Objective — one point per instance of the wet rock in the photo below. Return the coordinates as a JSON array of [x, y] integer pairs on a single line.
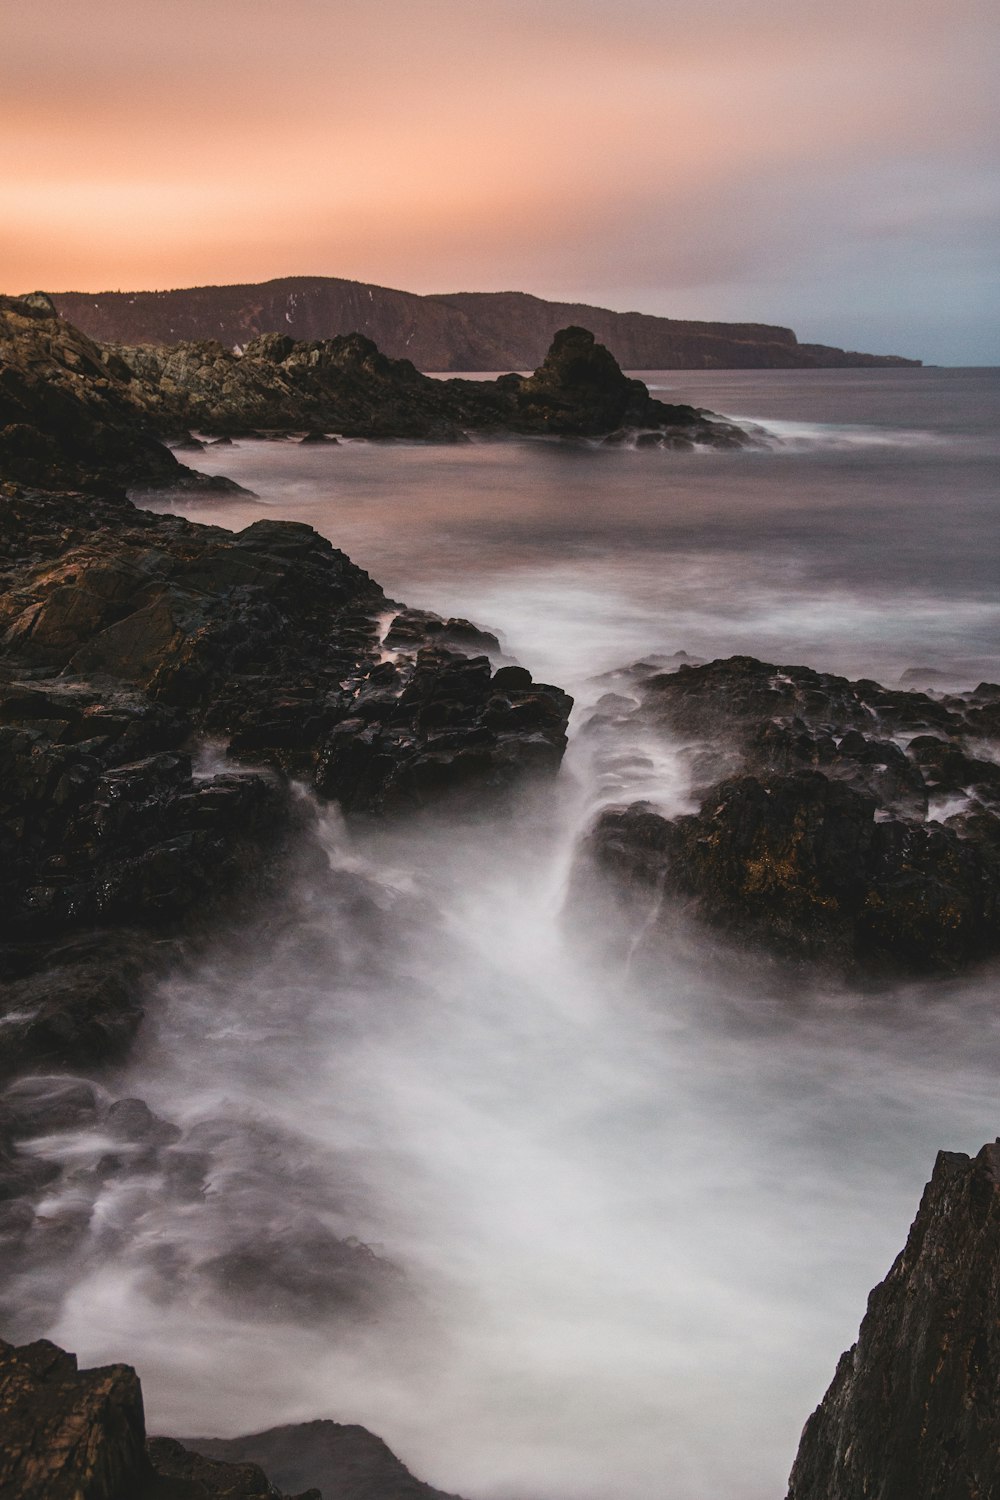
[[50, 1103], [912, 1412], [133, 1121], [413, 628], [816, 834], [448, 727]]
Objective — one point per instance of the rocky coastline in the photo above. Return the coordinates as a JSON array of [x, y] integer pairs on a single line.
[[164, 688], [83, 416]]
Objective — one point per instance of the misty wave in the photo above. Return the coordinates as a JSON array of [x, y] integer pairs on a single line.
[[800, 437], [594, 1176]]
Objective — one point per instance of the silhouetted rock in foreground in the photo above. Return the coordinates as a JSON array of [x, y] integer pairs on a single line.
[[913, 1412], [69, 1434], [839, 821], [346, 1462]]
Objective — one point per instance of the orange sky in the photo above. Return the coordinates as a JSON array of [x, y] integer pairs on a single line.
[[808, 163]]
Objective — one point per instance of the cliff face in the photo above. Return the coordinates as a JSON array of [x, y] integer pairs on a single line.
[[912, 1413], [458, 331]]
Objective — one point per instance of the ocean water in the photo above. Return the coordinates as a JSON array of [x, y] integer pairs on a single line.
[[635, 1186]]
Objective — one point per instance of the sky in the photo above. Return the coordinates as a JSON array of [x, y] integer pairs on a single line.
[[826, 164]]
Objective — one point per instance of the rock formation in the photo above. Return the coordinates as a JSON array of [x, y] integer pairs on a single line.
[[840, 822], [345, 385], [458, 331], [67, 414], [912, 1413]]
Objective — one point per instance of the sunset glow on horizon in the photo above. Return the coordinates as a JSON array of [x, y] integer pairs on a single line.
[[810, 164]]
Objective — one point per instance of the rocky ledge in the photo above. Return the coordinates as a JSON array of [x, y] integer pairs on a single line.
[[912, 1413], [71, 1433], [840, 822]]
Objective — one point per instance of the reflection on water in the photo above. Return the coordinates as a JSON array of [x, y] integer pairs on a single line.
[[636, 1206]]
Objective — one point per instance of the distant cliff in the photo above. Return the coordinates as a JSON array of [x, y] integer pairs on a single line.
[[460, 331]]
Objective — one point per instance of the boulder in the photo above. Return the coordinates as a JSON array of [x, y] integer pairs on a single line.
[[839, 822]]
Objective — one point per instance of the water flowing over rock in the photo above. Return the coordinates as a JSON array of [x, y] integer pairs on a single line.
[[912, 1412], [160, 682], [840, 822]]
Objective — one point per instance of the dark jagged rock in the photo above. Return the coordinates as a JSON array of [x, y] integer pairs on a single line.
[[818, 832], [68, 418], [345, 384], [71, 1434], [457, 331], [346, 1462], [438, 727], [912, 1413], [420, 627], [580, 391], [67, 1433]]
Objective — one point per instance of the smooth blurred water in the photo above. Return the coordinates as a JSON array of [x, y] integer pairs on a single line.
[[638, 1193]]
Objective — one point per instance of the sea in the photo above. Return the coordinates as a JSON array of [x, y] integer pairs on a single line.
[[634, 1187]]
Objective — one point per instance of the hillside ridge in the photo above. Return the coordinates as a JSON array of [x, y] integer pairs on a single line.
[[441, 332]]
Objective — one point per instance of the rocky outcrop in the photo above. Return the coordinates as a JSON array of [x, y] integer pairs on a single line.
[[67, 414], [70, 1434], [346, 1462], [912, 1413], [458, 331], [840, 822], [160, 682], [580, 391], [347, 386]]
